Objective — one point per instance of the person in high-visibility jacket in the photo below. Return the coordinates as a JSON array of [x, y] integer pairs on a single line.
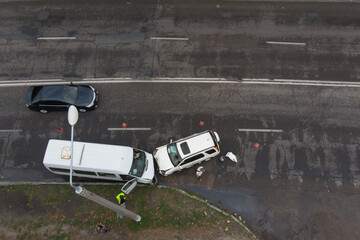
[[121, 197]]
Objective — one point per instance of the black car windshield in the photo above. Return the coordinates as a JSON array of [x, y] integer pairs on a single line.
[[139, 163], [173, 154], [63, 93]]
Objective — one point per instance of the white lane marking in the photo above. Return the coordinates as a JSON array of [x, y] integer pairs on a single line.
[[21, 83], [169, 38], [153, 81], [105, 79], [10, 130], [192, 79], [258, 130], [286, 43], [296, 1], [129, 129], [56, 38], [299, 82], [33, 80], [310, 81]]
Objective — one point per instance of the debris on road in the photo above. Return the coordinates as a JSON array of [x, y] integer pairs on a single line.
[[231, 156]]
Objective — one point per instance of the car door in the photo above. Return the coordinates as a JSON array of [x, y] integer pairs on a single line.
[[189, 162], [53, 105]]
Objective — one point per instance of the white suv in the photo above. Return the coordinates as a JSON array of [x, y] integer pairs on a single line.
[[187, 152]]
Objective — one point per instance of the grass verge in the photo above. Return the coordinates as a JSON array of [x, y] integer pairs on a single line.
[[55, 211]]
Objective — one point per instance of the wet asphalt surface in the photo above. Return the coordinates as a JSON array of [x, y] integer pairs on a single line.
[[301, 183], [225, 39]]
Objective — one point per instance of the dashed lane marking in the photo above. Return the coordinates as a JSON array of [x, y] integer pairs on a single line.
[[258, 130], [10, 130], [169, 38], [286, 43], [129, 129], [56, 38]]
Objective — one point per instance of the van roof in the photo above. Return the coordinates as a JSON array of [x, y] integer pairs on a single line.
[[93, 156], [195, 143]]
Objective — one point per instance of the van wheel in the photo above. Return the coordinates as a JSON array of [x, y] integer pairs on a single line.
[[43, 111], [82, 110]]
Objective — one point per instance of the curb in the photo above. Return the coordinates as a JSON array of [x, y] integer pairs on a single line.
[[213, 207]]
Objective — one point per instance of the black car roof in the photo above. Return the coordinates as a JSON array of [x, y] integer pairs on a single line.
[[63, 93]]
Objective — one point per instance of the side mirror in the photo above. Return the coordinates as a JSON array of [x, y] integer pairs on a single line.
[[129, 186], [170, 140]]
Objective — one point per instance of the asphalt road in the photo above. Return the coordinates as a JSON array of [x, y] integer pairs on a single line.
[[311, 168], [303, 180], [231, 39]]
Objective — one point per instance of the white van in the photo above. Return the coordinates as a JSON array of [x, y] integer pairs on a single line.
[[187, 152], [101, 161]]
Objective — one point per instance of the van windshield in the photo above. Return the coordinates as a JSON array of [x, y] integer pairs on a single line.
[[173, 154], [139, 163]]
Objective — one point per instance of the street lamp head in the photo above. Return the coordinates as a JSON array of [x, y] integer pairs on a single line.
[[73, 115]]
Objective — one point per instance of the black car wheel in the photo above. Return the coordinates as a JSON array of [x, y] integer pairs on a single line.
[[43, 111]]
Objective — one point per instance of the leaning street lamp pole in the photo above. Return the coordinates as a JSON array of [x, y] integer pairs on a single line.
[[73, 116]]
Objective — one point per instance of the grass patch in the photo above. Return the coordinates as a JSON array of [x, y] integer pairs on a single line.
[[60, 206]]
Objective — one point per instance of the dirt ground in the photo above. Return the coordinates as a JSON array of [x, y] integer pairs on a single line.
[[28, 216]]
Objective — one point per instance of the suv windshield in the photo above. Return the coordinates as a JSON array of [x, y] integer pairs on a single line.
[[173, 154], [139, 163]]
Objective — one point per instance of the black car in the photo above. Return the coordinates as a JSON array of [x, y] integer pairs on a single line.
[[60, 97]]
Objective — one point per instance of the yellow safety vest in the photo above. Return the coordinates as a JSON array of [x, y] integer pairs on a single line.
[[119, 197]]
